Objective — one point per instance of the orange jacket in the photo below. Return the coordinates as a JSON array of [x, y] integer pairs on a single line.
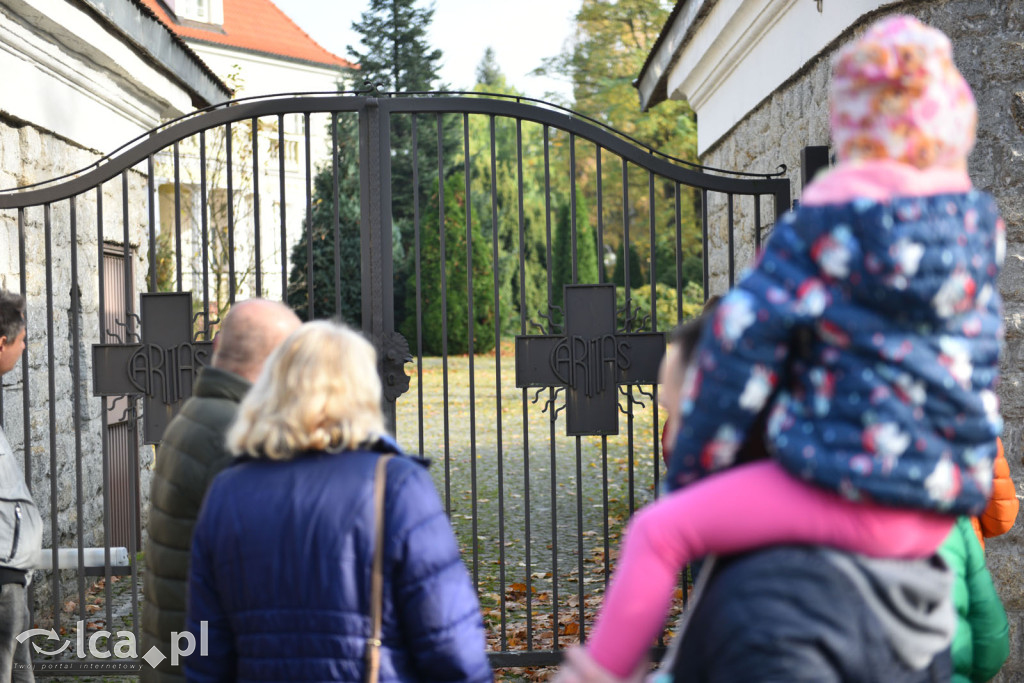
[[1001, 512]]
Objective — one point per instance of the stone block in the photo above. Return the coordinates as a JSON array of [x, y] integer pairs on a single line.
[[1006, 570], [1011, 671]]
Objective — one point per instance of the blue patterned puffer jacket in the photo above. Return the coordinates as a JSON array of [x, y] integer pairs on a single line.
[[895, 400], [281, 565]]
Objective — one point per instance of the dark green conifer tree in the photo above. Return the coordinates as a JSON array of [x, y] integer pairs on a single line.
[[636, 277], [586, 249], [454, 309], [331, 265], [396, 56]]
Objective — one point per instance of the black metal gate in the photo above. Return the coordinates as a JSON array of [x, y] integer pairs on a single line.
[[475, 221]]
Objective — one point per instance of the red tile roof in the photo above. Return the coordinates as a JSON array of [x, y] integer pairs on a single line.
[[253, 25]]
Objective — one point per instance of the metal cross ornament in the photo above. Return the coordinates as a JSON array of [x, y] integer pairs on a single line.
[[162, 369], [591, 360]]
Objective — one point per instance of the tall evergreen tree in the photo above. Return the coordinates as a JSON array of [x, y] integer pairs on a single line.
[[636, 276], [454, 309], [489, 77], [585, 254], [395, 53], [329, 262], [495, 190]]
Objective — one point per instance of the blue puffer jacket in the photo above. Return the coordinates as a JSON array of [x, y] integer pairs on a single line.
[[895, 401], [281, 564]]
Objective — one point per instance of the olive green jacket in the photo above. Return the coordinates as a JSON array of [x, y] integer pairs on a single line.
[[189, 457]]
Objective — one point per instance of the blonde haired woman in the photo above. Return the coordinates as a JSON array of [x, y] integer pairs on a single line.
[[283, 550]]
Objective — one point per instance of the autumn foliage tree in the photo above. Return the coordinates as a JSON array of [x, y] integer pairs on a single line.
[[611, 43]]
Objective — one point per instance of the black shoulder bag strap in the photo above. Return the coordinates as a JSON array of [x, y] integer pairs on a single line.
[[377, 577]]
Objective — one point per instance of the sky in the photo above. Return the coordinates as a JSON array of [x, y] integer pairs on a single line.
[[522, 33]]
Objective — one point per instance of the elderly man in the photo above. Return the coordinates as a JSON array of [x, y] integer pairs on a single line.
[[190, 455], [21, 528]]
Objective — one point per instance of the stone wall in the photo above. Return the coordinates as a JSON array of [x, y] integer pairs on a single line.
[[30, 155], [989, 51]]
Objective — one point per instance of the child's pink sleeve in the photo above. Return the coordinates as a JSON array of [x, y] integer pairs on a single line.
[[736, 510]]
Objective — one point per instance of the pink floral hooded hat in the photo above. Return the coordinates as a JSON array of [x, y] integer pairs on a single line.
[[896, 94]]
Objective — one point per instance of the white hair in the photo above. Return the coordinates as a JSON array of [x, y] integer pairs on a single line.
[[318, 391]]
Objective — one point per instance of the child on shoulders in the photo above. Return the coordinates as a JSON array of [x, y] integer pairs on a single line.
[[887, 430]]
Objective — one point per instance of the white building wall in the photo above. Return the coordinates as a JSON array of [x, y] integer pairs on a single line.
[[259, 75], [72, 89], [68, 74], [746, 49]]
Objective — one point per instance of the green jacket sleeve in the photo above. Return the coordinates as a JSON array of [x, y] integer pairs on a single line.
[[989, 627]]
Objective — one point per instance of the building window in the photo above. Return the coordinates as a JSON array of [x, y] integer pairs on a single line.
[[205, 11], [196, 10]]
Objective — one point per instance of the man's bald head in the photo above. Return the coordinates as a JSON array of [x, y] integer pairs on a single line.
[[250, 331]]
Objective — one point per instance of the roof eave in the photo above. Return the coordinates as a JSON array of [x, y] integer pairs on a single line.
[[263, 53], [142, 29], [652, 83]]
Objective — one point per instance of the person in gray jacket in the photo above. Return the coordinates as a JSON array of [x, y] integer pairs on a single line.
[[21, 527], [191, 454]]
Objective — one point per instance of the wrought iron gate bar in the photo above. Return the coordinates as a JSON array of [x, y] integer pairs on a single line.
[[78, 385], [497, 381], [626, 277], [151, 206], [601, 275], [51, 386], [655, 441], [22, 281], [732, 244], [104, 432], [229, 204], [679, 251], [757, 222], [417, 231], [444, 314], [705, 238], [283, 204], [177, 216], [552, 447], [335, 216], [574, 252], [257, 239], [527, 536], [653, 271], [204, 233], [129, 461], [547, 214], [471, 350], [310, 283]]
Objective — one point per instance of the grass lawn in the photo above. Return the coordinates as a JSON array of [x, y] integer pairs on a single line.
[[539, 553]]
